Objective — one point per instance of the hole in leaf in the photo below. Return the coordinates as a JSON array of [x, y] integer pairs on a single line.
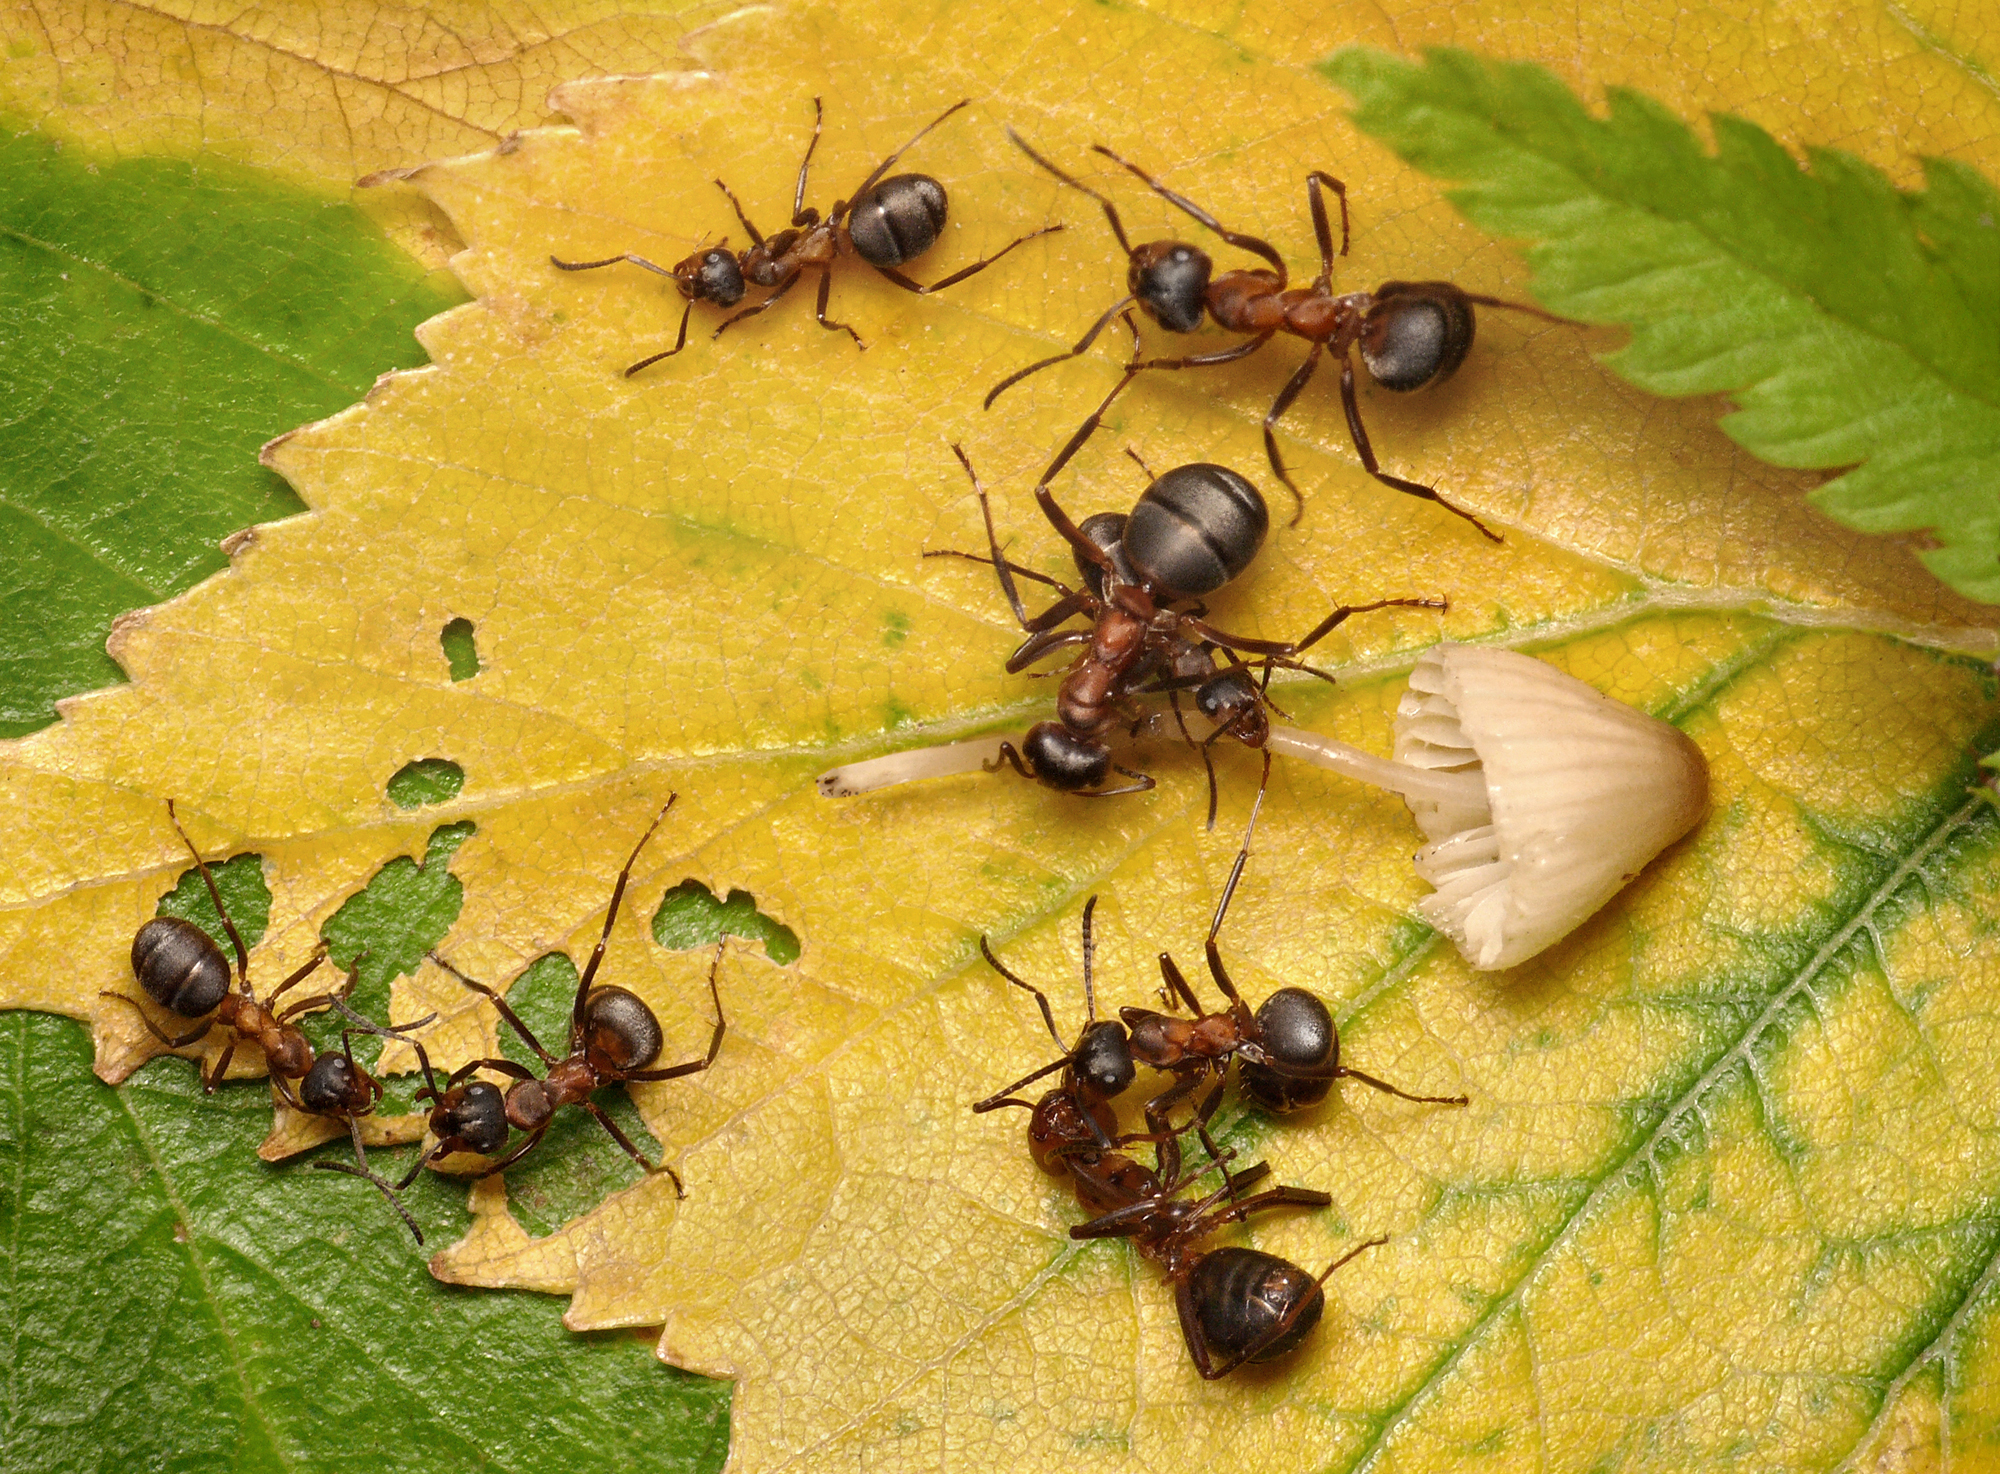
[[690, 916], [403, 912], [428, 780], [240, 878], [578, 1164], [461, 652]]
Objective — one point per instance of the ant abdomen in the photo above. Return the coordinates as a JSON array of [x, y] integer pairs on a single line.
[[1194, 530], [1298, 1033], [1252, 1306], [179, 966], [1417, 333], [897, 220], [620, 1030]]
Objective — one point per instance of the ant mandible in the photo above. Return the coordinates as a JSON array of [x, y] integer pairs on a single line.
[[1193, 530], [888, 222], [1290, 1047], [613, 1037], [1409, 334], [184, 972]]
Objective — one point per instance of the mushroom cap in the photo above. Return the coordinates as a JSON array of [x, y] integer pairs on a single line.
[[1581, 792]]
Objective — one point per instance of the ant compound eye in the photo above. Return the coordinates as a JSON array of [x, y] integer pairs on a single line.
[[1063, 760], [1103, 1060], [1417, 333], [1170, 279], [1195, 529]]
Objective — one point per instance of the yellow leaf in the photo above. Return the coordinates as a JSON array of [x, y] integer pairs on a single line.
[[1723, 1194]]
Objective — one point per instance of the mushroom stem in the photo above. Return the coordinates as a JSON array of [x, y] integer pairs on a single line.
[[979, 755], [1458, 790]]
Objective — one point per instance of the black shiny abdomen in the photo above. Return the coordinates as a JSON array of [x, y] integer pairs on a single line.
[[1417, 333], [1298, 1031], [479, 1118], [1063, 760], [897, 220], [1242, 1297], [179, 966], [620, 1030], [1194, 530]]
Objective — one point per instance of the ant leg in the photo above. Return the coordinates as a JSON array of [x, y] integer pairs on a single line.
[[213, 1077], [514, 1156], [729, 322], [1005, 569], [1007, 755], [311, 965], [825, 294], [506, 1013], [1208, 360], [1235, 875], [1040, 646], [889, 163], [680, 342], [608, 261], [1237, 239], [362, 1171], [1082, 347], [1284, 648], [1320, 230], [1084, 431], [1159, 1110], [610, 917], [756, 235], [1142, 783], [1110, 210], [958, 276], [505, 1067], [1387, 1089], [1358, 433], [695, 1066], [630, 1150], [1014, 568], [799, 192], [997, 1098], [242, 952], [1293, 387], [1175, 979], [424, 1159], [172, 1043]]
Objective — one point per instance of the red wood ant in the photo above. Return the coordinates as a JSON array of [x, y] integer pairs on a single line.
[[1235, 1305], [1290, 1048], [613, 1037], [1409, 334], [1193, 530], [889, 221], [184, 972]]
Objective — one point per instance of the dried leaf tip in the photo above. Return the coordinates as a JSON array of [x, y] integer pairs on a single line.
[[1580, 792]]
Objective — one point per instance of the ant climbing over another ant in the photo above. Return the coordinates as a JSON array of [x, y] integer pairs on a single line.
[[1409, 334], [613, 1037], [1193, 530], [1290, 1047], [888, 222]]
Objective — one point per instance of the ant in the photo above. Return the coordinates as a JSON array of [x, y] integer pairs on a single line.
[[888, 222], [613, 1037], [184, 972], [1245, 1304], [338, 1087], [1290, 1048], [1193, 530], [1410, 334]]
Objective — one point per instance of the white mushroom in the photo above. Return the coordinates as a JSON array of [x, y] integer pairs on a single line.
[[1553, 795]]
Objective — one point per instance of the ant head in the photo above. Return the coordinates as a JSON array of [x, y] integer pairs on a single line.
[[1170, 279], [1107, 530], [1417, 333], [1298, 1035], [620, 1033], [1252, 1306], [713, 275], [1061, 1124], [335, 1086], [1063, 760], [1195, 529], [1229, 697], [1102, 1061], [473, 1117]]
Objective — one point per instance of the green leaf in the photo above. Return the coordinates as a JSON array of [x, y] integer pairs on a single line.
[[1854, 325], [162, 320], [182, 1305]]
